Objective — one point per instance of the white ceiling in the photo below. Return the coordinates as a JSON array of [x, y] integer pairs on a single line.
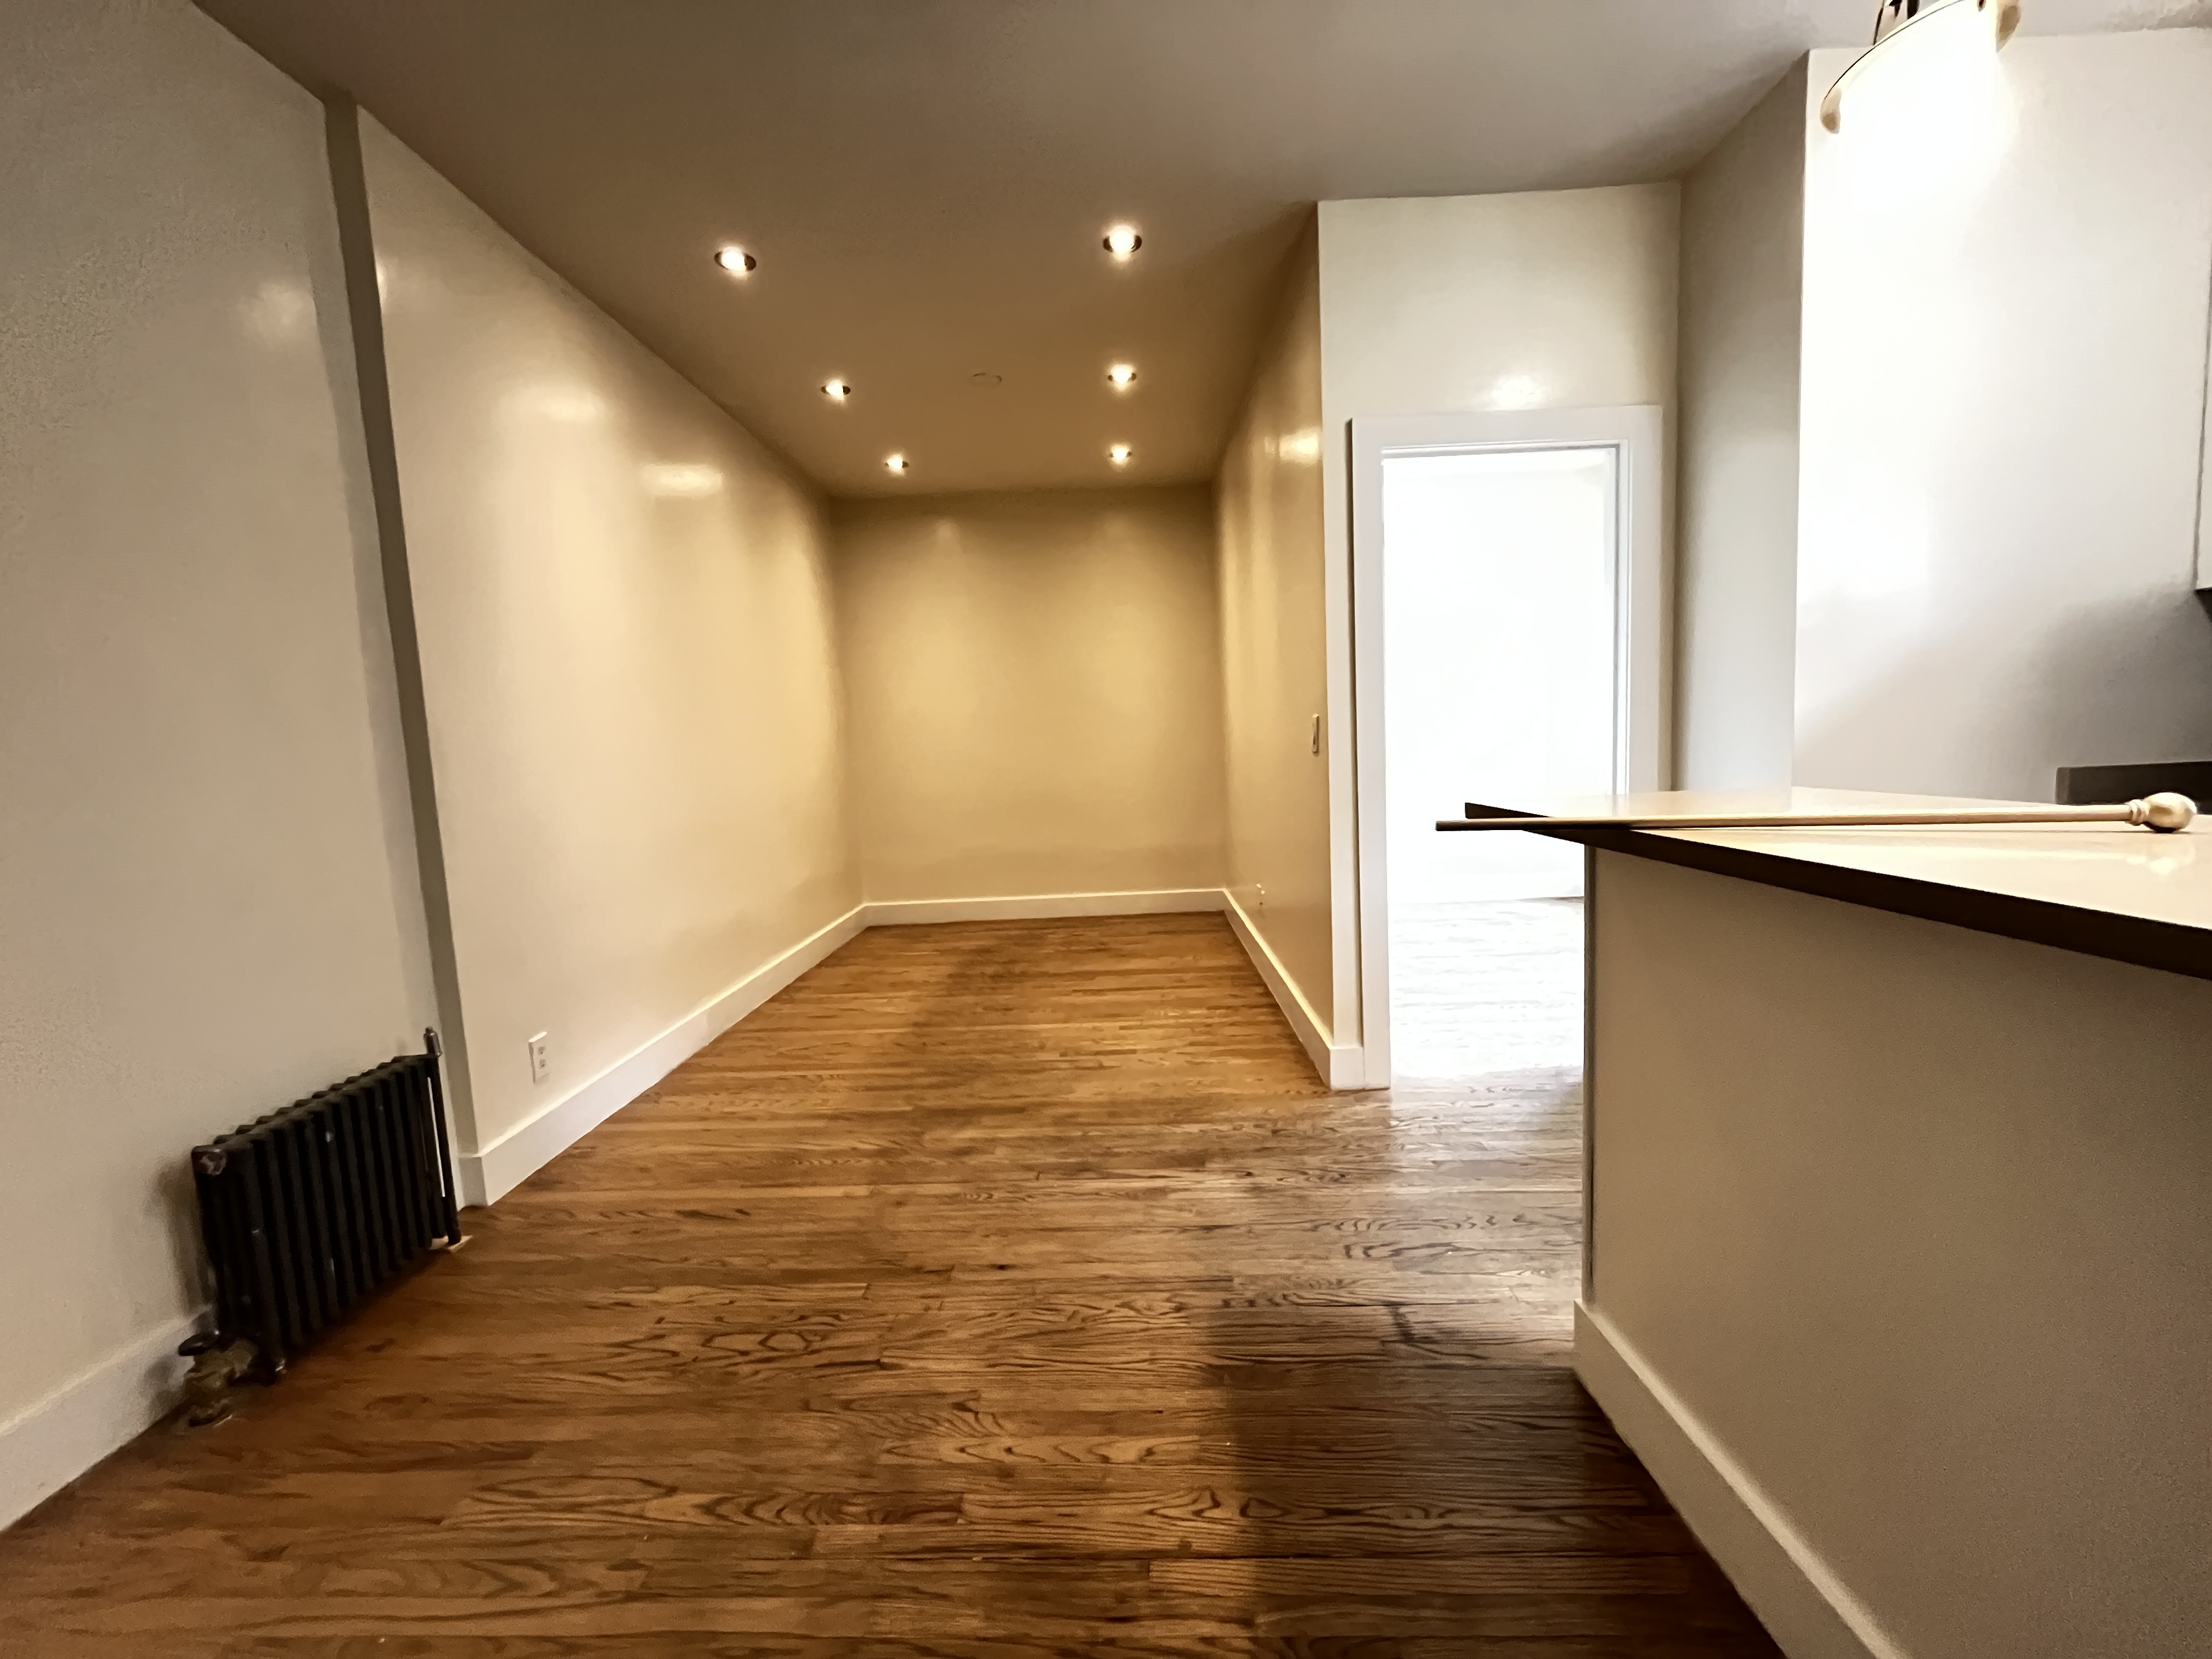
[[925, 182]]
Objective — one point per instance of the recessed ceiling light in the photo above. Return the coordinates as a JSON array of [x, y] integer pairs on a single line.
[[1122, 240], [735, 260], [1119, 454], [1123, 375], [836, 391], [895, 462]]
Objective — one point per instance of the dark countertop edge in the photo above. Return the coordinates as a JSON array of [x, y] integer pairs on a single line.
[[2168, 946]]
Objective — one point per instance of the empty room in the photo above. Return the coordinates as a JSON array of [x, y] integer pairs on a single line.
[[986, 828]]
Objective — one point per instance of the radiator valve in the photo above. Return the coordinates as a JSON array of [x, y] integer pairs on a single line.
[[218, 1367]]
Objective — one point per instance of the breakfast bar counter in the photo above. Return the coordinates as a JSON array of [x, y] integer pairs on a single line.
[[1899, 1247]]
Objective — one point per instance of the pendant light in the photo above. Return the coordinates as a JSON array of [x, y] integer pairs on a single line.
[[1908, 29]]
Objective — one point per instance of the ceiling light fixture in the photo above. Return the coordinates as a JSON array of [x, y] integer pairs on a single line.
[[1121, 376], [1122, 240], [836, 391], [1121, 454], [735, 260], [895, 462], [1905, 30]]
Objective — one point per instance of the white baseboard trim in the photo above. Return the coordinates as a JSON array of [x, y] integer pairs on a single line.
[[107, 1405], [1341, 1065], [488, 1175], [1041, 907], [1797, 1596]]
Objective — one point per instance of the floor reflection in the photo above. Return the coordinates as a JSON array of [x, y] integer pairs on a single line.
[[1487, 987]]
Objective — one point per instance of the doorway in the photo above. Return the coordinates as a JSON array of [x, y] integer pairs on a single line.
[[1505, 592]]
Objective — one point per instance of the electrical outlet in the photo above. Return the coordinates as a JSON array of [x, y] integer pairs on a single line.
[[541, 1057], [1260, 896]]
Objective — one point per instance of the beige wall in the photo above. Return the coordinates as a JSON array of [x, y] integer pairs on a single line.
[[1743, 281], [1446, 305], [207, 899], [1273, 647], [1034, 691], [629, 657]]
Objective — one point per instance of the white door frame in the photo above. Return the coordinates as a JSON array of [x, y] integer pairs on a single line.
[[2204, 479], [1635, 434]]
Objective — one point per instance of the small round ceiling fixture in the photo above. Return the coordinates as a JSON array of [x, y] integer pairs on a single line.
[[735, 260], [1121, 376], [895, 462], [836, 391], [1121, 454], [1122, 241]]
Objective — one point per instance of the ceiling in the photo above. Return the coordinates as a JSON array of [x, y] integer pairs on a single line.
[[925, 182]]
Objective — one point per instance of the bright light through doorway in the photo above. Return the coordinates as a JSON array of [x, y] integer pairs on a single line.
[[1500, 682]]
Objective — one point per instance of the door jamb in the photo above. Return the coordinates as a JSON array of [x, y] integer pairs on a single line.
[[1637, 432]]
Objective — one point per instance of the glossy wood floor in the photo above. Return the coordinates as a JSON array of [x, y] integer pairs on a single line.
[[996, 1290]]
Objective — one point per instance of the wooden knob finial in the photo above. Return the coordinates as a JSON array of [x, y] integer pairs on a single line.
[[2165, 810]]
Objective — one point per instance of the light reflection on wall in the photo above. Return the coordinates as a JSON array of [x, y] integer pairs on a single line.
[[552, 401], [681, 480], [279, 313], [1515, 392], [1894, 327]]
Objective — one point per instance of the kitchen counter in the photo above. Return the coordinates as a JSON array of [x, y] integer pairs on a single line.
[[2111, 890], [1899, 1218]]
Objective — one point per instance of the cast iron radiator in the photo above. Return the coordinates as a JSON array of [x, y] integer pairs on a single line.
[[310, 1210]]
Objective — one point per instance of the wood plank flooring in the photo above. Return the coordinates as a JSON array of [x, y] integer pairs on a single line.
[[998, 1289]]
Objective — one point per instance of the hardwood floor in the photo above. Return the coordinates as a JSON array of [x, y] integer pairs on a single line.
[[998, 1289]]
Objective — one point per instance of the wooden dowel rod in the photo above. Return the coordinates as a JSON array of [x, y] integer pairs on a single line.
[[2162, 813]]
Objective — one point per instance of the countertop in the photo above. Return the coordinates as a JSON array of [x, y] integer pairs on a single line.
[[2109, 890]]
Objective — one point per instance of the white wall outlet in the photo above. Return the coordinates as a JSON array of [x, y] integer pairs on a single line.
[[1260, 896], [541, 1057]]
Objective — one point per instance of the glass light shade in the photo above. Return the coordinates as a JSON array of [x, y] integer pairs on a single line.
[[1920, 47]]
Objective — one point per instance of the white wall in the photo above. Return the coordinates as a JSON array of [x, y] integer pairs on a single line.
[[1549, 300], [2003, 348], [1274, 654], [207, 904], [1743, 218], [1555, 299], [1034, 684], [628, 662]]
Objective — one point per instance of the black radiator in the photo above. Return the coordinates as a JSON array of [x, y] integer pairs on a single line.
[[310, 1210]]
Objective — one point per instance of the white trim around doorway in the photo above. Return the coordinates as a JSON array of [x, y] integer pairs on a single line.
[[1637, 434]]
